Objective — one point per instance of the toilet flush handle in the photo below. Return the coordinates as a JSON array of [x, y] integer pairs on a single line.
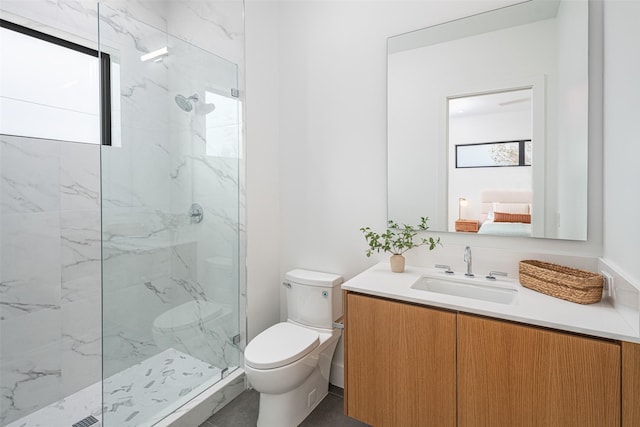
[[339, 323], [288, 285]]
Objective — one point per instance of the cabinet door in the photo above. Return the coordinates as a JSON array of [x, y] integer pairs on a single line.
[[400, 363], [630, 384], [513, 375]]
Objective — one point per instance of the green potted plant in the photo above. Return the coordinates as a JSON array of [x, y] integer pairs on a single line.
[[397, 240]]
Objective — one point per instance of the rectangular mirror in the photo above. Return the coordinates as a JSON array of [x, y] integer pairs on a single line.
[[488, 115]]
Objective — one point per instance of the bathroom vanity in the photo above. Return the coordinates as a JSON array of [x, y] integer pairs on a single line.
[[420, 355]]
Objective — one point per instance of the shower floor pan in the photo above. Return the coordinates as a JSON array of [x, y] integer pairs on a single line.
[[140, 396]]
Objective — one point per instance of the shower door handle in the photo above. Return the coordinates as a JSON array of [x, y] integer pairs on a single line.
[[195, 214]]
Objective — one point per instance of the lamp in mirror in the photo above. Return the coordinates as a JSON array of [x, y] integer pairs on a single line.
[[462, 202]]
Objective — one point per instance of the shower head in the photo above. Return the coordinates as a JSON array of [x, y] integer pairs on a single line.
[[205, 108], [187, 104]]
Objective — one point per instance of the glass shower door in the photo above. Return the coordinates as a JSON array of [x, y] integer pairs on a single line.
[[169, 222]]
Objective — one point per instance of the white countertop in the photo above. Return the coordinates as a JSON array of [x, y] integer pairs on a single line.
[[600, 319]]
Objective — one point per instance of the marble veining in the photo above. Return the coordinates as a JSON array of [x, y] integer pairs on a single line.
[[49, 271], [203, 406], [124, 26], [194, 289], [176, 172], [79, 177], [80, 255], [24, 379], [8, 306], [196, 8], [217, 27], [30, 175], [30, 264], [75, 18], [160, 293]]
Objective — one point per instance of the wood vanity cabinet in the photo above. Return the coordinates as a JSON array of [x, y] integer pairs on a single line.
[[400, 363], [411, 365], [516, 375]]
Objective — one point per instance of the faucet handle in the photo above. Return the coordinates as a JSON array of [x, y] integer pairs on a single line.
[[448, 269], [492, 274]]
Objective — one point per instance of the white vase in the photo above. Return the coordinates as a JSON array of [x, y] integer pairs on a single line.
[[397, 263]]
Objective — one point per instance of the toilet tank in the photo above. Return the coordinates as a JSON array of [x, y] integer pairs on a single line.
[[313, 298]]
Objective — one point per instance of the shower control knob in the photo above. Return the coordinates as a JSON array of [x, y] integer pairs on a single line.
[[195, 213]]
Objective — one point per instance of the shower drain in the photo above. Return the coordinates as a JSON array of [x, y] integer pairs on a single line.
[[86, 422]]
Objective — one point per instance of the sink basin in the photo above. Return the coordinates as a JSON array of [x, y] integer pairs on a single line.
[[502, 294]]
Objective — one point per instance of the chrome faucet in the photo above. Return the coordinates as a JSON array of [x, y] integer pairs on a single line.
[[447, 270], [467, 259], [492, 274]]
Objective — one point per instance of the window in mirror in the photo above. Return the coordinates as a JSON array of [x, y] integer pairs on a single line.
[[494, 154]]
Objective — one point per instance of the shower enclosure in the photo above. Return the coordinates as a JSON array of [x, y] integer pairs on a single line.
[[121, 262], [169, 223]]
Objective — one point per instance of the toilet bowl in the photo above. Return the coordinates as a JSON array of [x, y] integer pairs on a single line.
[[289, 363], [198, 328], [293, 377]]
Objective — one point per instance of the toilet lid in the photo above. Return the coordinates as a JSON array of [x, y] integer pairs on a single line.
[[186, 315], [280, 345]]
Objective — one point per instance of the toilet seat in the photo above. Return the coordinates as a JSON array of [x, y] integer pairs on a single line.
[[186, 315], [280, 345]]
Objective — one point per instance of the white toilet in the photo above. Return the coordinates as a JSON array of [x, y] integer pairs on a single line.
[[289, 363]]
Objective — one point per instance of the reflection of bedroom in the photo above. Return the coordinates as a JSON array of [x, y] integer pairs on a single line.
[[490, 184]]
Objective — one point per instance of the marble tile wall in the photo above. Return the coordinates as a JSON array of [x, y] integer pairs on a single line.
[[50, 297], [49, 272]]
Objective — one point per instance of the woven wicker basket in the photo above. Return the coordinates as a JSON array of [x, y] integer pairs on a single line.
[[571, 284]]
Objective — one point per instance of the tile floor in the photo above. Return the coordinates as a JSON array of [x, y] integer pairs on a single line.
[[243, 412]]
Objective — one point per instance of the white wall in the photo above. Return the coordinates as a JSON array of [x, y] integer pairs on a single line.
[[571, 190], [262, 175], [332, 127], [324, 65], [329, 85], [621, 112]]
